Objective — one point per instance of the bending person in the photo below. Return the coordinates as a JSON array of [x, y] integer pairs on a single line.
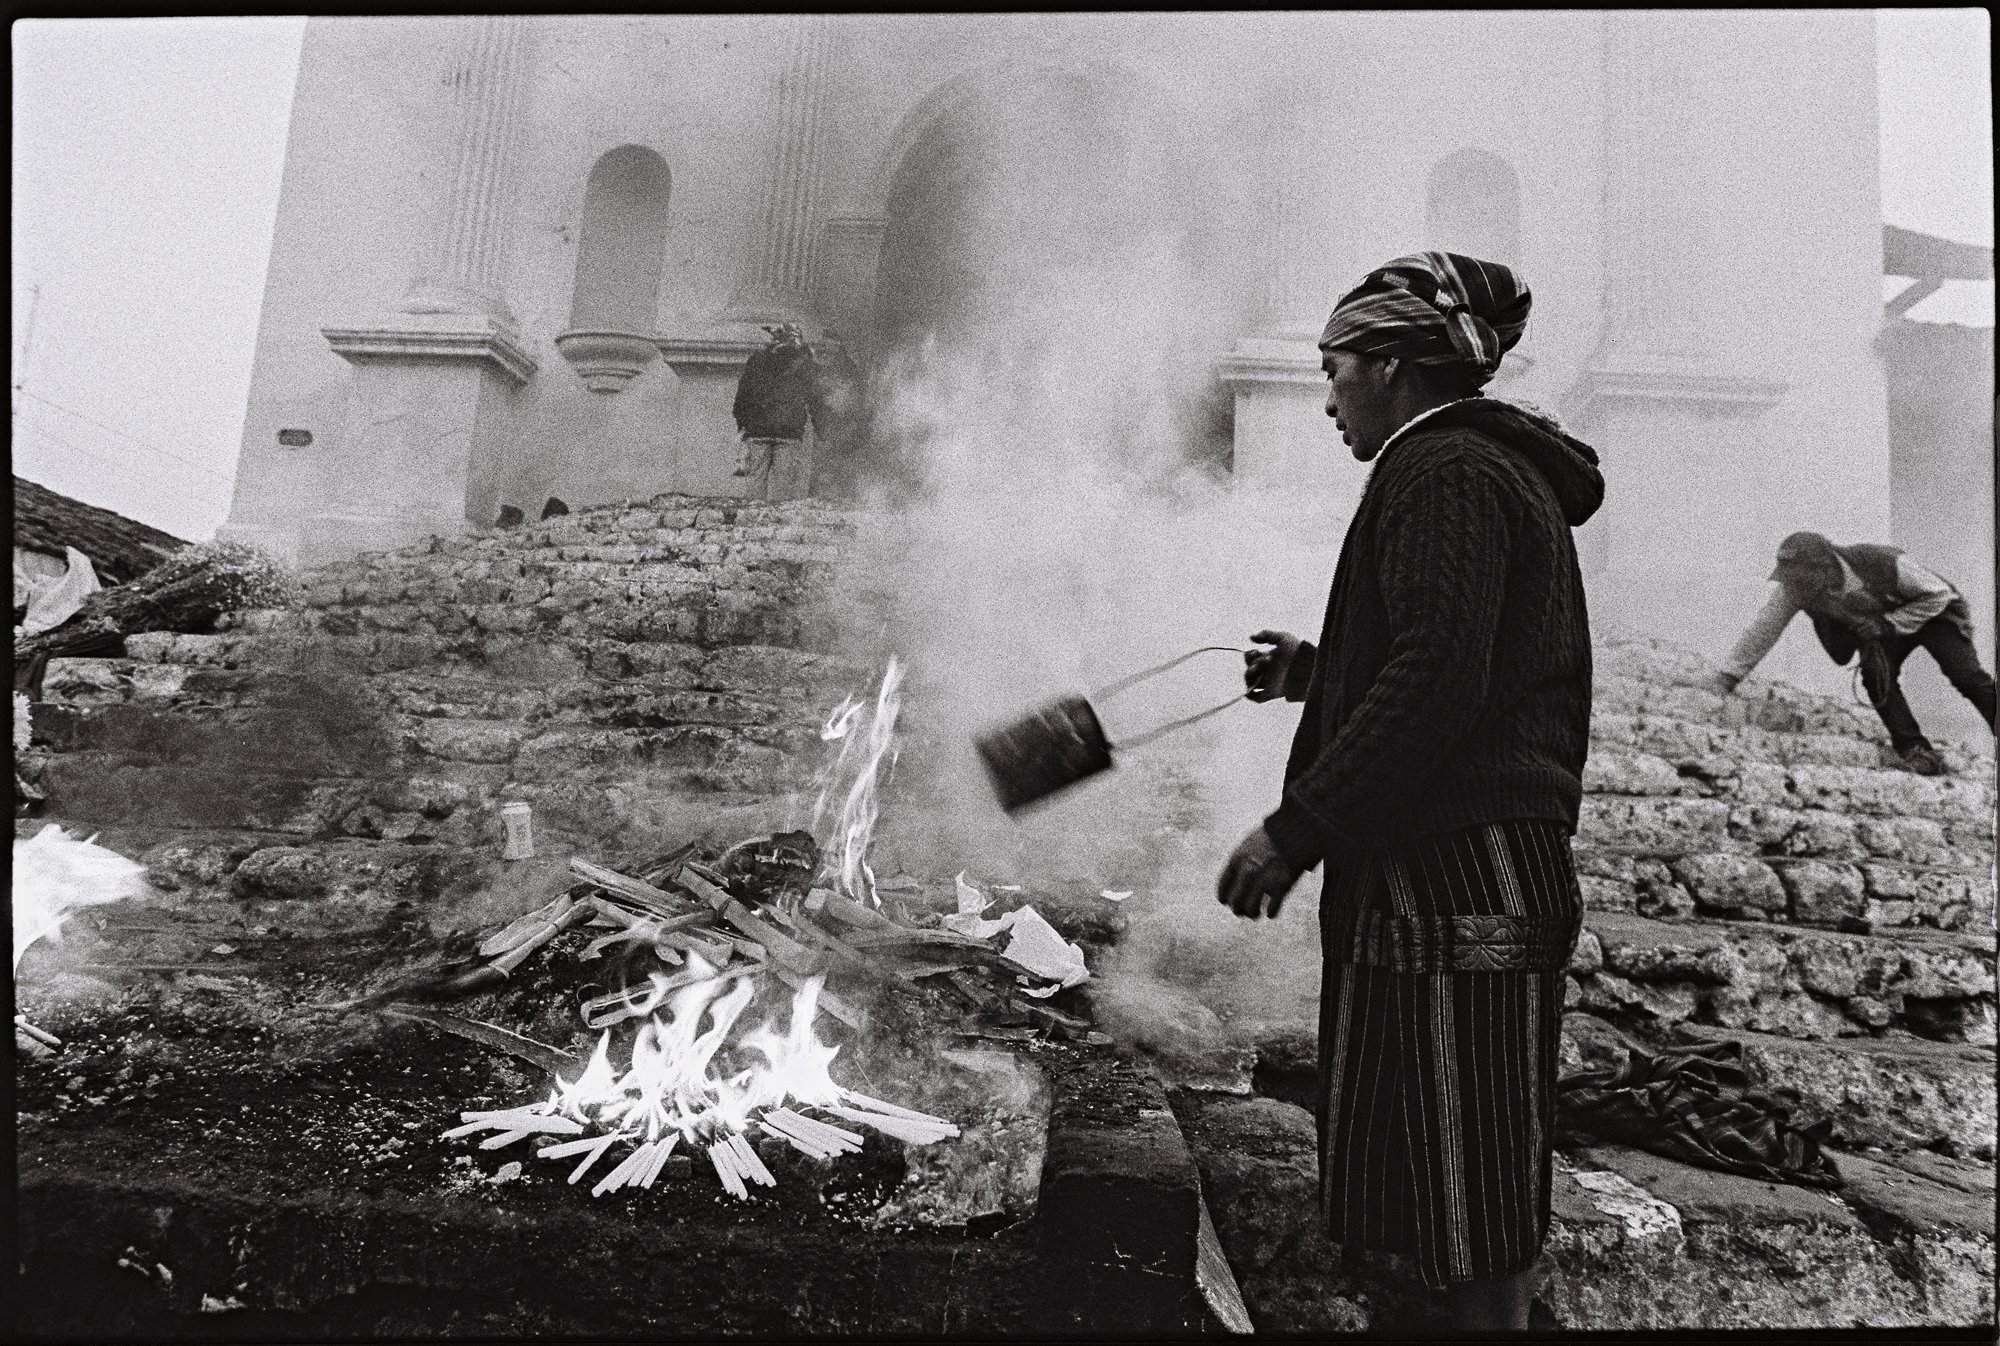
[[1874, 601]]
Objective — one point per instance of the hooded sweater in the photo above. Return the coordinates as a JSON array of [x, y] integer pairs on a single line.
[[1451, 683]]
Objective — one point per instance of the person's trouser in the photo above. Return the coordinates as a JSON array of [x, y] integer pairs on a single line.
[[778, 469], [1949, 641]]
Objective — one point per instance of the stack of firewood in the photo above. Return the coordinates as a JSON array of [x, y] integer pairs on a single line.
[[751, 914], [700, 924]]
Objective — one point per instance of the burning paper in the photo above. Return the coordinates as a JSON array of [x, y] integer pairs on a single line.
[[54, 873]]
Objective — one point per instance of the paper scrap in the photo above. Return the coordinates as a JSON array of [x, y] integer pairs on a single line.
[[970, 900], [966, 923], [1116, 897], [1036, 946], [967, 920]]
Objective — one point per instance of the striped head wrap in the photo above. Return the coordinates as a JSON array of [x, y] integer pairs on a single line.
[[1433, 308]]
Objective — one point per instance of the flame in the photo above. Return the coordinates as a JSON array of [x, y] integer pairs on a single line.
[[55, 873], [671, 1083], [844, 814]]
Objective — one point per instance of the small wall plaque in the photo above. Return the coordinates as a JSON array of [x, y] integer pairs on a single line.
[[295, 439]]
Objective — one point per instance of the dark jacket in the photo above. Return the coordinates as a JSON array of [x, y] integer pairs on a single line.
[[774, 395], [1451, 683]]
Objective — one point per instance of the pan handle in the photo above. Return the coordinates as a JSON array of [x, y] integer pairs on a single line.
[[1138, 739], [1112, 689]]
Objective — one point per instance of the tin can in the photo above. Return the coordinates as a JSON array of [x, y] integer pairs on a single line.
[[1053, 747], [520, 823], [1044, 752]]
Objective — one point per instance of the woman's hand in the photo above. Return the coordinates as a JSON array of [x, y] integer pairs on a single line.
[[1256, 877], [1267, 673]]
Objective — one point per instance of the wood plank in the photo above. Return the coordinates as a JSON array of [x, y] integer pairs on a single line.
[[656, 900], [490, 1035], [1214, 1277]]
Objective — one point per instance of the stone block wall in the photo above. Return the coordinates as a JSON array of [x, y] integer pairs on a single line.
[[634, 673]]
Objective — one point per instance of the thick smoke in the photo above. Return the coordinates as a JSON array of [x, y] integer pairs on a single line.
[[1065, 516]]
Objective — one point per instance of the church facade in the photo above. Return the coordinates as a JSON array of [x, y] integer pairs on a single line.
[[526, 256]]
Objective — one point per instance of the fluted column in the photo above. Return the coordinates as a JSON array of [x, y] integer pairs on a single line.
[[1655, 188], [468, 266], [775, 283], [1294, 199]]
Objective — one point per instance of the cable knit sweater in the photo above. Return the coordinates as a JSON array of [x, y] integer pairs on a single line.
[[1451, 682]]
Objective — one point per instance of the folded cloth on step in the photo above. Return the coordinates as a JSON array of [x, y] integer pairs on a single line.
[[1692, 1103]]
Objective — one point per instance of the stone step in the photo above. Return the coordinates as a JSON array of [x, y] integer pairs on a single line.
[[577, 580], [1700, 752], [1642, 1242], [1894, 1092], [1898, 1093], [1656, 825], [500, 656], [1755, 705], [1786, 980], [103, 789], [594, 609], [1874, 894], [1636, 1241], [103, 688], [585, 785], [1862, 791]]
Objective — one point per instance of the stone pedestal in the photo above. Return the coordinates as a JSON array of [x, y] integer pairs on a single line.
[[1693, 511], [606, 361], [429, 415], [1700, 481]]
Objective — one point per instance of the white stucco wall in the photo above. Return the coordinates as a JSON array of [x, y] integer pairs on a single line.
[[1766, 135]]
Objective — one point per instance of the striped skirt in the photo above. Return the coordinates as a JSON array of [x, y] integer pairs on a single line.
[[1440, 1018]]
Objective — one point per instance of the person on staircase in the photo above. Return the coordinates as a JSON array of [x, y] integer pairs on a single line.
[[774, 398], [1874, 601]]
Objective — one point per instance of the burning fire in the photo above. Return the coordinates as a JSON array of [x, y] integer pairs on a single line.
[[670, 1092], [683, 1080], [847, 825]]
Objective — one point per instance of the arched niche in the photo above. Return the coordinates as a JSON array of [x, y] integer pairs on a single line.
[[624, 242], [1474, 207], [620, 253]]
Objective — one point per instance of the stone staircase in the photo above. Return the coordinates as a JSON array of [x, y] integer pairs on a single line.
[[646, 670], [1754, 870], [1754, 867]]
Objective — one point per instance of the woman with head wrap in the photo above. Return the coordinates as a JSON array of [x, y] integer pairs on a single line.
[[1437, 774], [1875, 601]]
